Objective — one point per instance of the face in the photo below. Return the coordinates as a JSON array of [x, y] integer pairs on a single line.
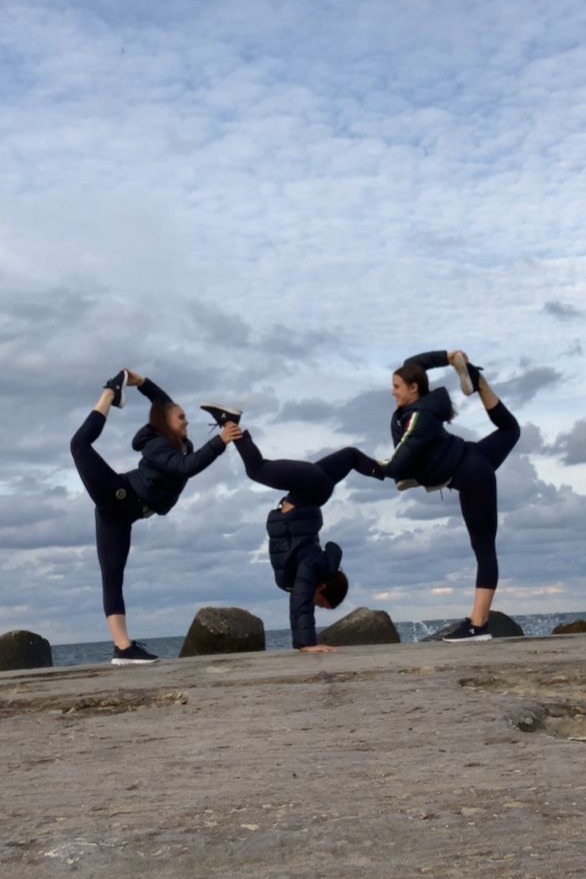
[[404, 393], [319, 598], [177, 421]]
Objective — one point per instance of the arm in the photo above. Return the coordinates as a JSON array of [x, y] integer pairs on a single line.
[[147, 387], [161, 455], [430, 359], [308, 576], [418, 436]]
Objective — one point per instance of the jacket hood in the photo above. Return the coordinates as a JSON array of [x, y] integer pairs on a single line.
[[142, 437], [437, 403]]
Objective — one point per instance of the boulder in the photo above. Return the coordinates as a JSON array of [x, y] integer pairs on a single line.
[[574, 628], [361, 626], [223, 630], [22, 649], [499, 625]]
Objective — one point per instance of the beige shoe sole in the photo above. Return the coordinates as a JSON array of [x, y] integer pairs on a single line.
[[461, 368]]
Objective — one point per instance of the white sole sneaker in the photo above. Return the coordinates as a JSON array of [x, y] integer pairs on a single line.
[[461, 367], [471, 639]]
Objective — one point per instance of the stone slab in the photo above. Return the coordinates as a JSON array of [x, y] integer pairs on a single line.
[[383, 762]]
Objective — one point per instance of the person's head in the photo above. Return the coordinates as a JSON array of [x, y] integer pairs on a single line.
[[410, 382], [332, 592], [169, 421]]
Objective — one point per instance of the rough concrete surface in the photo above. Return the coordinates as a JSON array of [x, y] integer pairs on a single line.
[[385, 762]]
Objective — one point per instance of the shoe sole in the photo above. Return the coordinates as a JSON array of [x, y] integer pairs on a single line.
[[117, 661], [122, 402], [461, 368], [406, 484], [472, 638], [206, 406], [227, 415]]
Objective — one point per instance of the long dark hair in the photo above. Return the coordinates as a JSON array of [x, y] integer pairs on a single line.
[[413, 374], [160, 424]]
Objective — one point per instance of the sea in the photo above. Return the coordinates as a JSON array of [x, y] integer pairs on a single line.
[[96, 652]]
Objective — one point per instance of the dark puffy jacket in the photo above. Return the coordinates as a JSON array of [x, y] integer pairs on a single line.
[[424, 450], [163, 470], [300, 565]]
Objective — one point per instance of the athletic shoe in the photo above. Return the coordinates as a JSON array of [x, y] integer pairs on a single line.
[[404, 484], [467, 632], [221, 414], [136, 654], [118, 385], [468, 374]]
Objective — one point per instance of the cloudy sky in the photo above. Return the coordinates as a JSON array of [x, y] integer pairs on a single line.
[[272, 204]]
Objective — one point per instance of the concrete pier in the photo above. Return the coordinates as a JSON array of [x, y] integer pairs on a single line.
[[384, 762]]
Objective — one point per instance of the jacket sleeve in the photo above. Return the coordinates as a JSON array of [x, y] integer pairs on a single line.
[[418, 436], [163, 457], [153, 392], [309, 575], [429, 359]]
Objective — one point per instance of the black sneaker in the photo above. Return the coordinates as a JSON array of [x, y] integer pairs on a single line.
[[221, 414], [467, 632], [118, 385], [136, 654], [468, 374]]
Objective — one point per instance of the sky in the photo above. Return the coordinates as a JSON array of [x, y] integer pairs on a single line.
[[271, 205]]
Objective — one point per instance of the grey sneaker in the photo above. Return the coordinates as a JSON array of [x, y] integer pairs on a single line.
[[468, 374], [222, 414]]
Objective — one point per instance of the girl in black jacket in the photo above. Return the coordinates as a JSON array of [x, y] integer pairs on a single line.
[[311, 575], [426, 454], [168, 461]]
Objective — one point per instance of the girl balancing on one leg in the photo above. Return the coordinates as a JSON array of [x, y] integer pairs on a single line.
[[168, 461], [426, 454], [310, 574]]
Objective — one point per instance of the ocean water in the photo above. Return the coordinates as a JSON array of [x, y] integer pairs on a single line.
[[96, 652]]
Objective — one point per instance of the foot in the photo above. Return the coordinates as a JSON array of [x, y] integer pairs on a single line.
[[221, 414], [136, 654], [468, 374], [118, 385], [404, 484], [465, 631]]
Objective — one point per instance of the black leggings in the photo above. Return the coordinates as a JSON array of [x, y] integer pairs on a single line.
[[117, 507], [306, 483], [475, 480]]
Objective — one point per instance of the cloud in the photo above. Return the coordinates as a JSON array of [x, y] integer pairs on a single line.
[[571, 446], [524, 387], [272, 206], [562, 311]]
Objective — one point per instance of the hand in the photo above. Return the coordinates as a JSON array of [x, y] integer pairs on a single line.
[[318, 648], [230, 432], [452, 354], [135, 379]]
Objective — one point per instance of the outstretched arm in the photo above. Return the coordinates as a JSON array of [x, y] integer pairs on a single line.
[[310, 573], [419, 434], [430, 359], [150, 390]]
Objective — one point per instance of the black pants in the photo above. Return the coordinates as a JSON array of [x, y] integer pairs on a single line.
[[117, 507], [475, 480], [306, 483]]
